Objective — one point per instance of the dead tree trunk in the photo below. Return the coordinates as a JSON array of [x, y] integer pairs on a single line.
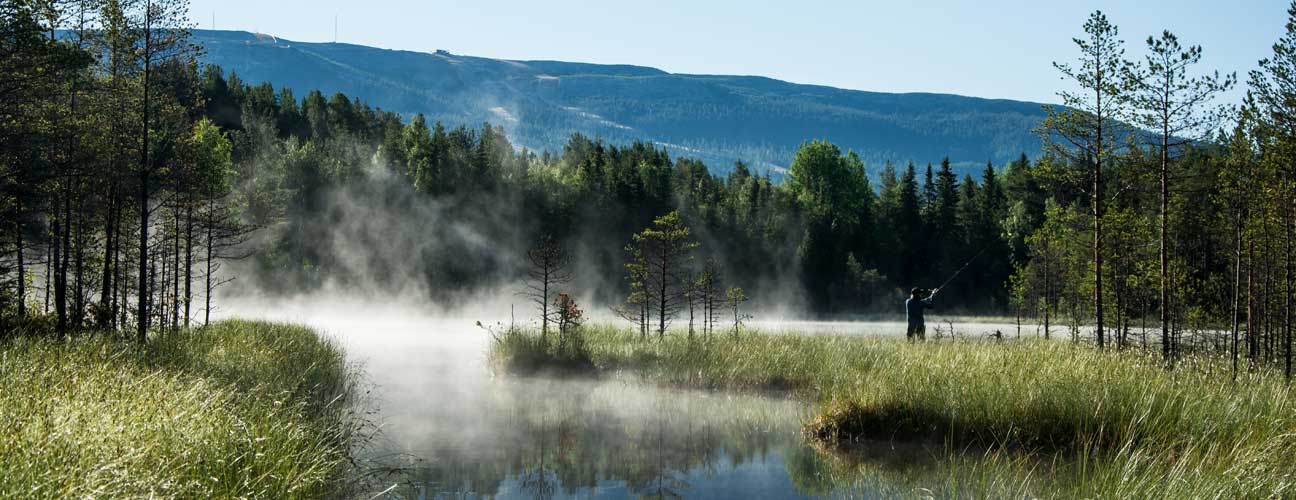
[[162, 267], [188, 265], [78, 300], [690, 291], [49, 274], [60, 284], [544, 305], [1237, 286], [142, 309], [1097, 251], [1287, 278], [1166, 351], [105, 314], [119, 287], [664, 267], [175, 267], [211, 223], [1250, 305], [22, 267]]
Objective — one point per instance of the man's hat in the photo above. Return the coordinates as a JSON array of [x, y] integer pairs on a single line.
[[915, 291]]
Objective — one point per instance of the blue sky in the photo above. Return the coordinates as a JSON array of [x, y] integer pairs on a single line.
[[1000, 49]]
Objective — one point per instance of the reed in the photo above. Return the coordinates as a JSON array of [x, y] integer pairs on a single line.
[[1098, 424], [240, 409]]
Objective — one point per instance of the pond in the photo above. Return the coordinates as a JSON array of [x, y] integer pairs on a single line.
[[451, 428]]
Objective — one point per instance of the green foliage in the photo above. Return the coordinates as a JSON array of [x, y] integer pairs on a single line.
[[837, 201], [522, 352], [827, 183], [312, 174], [660, 255], [1087, 124], [761, 232], [209, 151], [1047, 281], [421, 154], [237, 410]]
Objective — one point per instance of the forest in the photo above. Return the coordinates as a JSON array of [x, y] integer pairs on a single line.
[[1143, 253], [714, 118], [137, 182]]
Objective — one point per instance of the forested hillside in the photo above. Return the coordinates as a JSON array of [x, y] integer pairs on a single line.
[[718, 119], [133, 172]]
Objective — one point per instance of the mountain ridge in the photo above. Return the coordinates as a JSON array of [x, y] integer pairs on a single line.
[[716, 118]]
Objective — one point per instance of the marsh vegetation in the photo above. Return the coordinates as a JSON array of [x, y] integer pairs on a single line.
[[239, 409], [1025, 408]]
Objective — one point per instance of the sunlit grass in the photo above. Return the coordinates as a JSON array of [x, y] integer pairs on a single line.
[[1100, 424], [237, 410], [523, 352]]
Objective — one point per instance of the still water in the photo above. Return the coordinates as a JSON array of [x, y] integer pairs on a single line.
[[448, 427]]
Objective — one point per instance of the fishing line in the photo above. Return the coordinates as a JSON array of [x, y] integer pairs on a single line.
[[960, 270]]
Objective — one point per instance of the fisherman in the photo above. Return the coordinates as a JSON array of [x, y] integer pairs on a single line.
[[919, 301]]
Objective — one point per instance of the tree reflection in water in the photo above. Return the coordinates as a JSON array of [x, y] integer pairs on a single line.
[[559, 438]]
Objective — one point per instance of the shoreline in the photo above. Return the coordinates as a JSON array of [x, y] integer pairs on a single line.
[[1092, 416]]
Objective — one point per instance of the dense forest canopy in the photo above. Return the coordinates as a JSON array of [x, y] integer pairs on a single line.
[[344, 175], [133, 173]]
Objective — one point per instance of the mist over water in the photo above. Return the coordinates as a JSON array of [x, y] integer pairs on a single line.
[[450, 427]]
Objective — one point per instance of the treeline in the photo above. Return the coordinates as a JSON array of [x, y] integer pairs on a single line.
[[1141, 222], [1170, 219], [841, 252], [345, 194], [115, 187], [131, 173]]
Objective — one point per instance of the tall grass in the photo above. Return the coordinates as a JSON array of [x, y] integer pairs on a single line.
[[237, 410], [523, 352], [1101, 424]]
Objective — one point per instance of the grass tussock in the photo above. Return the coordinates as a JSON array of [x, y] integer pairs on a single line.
[[237, 410], [1101, 424], [521, 352]]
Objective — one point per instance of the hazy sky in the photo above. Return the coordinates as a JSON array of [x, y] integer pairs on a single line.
[[987, 48]]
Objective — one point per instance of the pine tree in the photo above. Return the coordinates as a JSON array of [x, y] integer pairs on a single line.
[[1274, 90], [1087, 127], [928, 193], [909, 227], [944, 220], [662, 253], [1174, 105], [420, 155]]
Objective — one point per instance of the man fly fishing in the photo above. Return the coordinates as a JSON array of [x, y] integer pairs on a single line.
[[919, 300]]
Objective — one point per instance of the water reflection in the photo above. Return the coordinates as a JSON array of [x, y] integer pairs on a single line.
[[450, 428], [562, 438]]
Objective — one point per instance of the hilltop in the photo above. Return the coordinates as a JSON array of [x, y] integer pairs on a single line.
[[716, 118]]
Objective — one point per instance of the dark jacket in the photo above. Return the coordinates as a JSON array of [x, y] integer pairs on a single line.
[[914, 310]]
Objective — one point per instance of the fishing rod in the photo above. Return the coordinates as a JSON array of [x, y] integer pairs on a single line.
[[960, 270]]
